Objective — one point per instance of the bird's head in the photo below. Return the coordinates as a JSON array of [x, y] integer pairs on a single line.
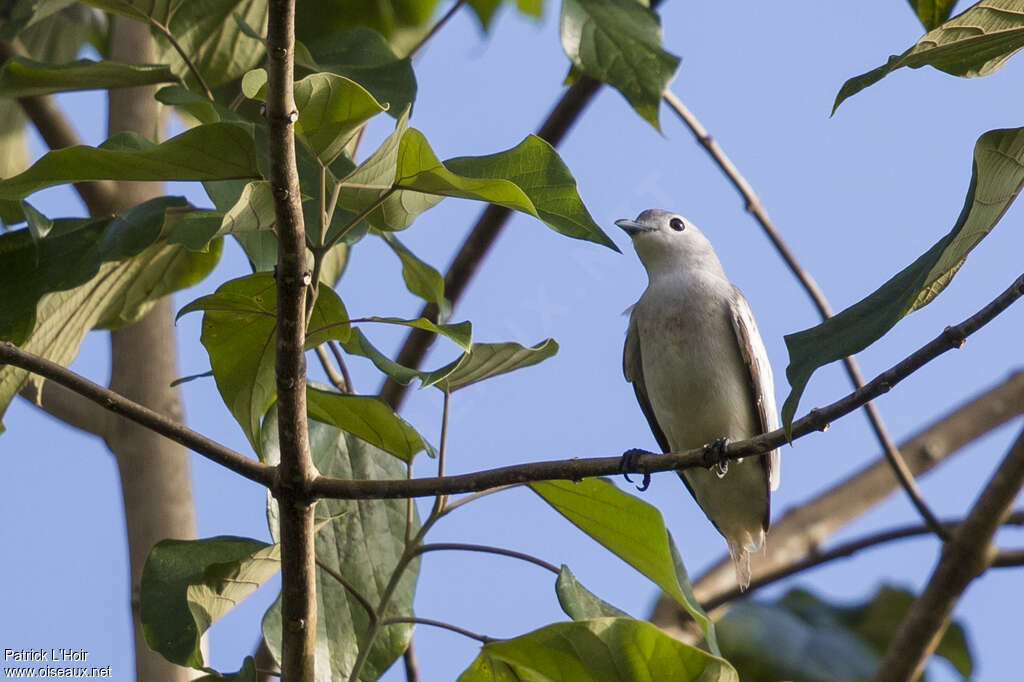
[[665, 240]]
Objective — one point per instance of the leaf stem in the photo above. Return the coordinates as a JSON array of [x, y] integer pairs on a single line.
[[363, 601], [487, 549], [359, 216], [184, 56], [484, 639]]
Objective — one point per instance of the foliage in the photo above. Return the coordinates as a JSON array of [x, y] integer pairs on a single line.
[[61, 277]]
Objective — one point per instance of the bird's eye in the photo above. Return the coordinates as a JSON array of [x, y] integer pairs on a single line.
[[677, 224]]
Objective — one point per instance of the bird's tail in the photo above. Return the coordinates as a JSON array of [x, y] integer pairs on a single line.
[[741, 562]]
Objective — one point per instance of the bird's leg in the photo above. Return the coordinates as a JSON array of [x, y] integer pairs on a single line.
[[713, 453], [628, 464]]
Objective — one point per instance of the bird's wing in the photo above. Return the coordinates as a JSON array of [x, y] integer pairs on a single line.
[[633, 368], [755, 357]]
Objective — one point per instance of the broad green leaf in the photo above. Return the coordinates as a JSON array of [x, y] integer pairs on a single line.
[[536, 168], [21, 77], [187, 585], [368, 418], [976, 42], [20, 14], [364, 56], [194, 229], [239, 333], [801, 636], [15, 156], [578, 602], [195, 105], [420, 278], [401, 22], [333, 264], [72, 281], [461, 333], [332, 109], [362, 540], [358, 344], [486, 360], [631, 529], [38, 225], [619, 42], [996, 179], [599, 650], [932, 12], [247, 673], [209, 152]]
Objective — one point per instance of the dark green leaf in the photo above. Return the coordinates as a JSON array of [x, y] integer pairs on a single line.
[[578, 602], [619, 42], [486, 360], [932, 12], [976, 42], [209, 152], [358, 344], [364, 56], [20, 14], [599, 650], [997, 177], [420, 278], [240, 333], [195, 105], [362, 540], [367, 418], [187, 585], [401, 22], [38, 225], [71, 281], [21, 77], [631, 529], [461, 333]]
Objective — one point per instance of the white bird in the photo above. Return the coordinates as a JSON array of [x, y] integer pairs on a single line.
[[701, 375]]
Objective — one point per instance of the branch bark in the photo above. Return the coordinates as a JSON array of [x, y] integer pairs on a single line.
[[294, 280], [756, 209], [966, 556], [803, 529]]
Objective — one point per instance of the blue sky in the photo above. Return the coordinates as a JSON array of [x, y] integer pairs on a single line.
[[858, 196]]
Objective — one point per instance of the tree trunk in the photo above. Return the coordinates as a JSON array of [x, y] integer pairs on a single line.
[[155, 481]]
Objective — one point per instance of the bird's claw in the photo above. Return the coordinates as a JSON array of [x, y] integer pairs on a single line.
[[628, 463], [713, 457]]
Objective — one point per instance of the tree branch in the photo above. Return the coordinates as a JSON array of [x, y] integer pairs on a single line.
[[118, 404], [756, 209], [57, 132], [848, 549], [577, 469], [67, 406], [294, 282], [803, 529], [966, 556]]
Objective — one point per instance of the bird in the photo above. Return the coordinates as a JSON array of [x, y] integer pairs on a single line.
[[701, 374]]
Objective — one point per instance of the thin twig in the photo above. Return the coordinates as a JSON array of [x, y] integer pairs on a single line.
[[442, 500], [476, 496], [438, 624], [340, 359], [435, 28], [577, 469], [844, 550], [487, 549], [184, 56], [756, 209], [332, 374], [341, 580], [412, 668], [966, 556], [359, 216], [118, 404]]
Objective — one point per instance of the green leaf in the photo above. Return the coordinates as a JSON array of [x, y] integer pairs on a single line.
[[401, 22], [976, 42], [38, 225], [537, 169], [599, 650], [21, 77], [364, 56], [801, 636], [632, 530], [486, 360], [932, 12], [187, 585], [619, 42], [996, 179], [485, 10], [239, 333], [460, 333], [72, 281], [195, 105], [332, 109], [420, 278], [247, 673], [367, 418], [362, 540], [208, 152], [358, 344], [20, 14], [578, 602]]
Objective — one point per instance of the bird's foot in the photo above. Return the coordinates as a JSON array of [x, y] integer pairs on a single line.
[[628, 463], [713, 453]]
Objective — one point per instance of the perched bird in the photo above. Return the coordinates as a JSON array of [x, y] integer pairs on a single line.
[[701, 375]]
